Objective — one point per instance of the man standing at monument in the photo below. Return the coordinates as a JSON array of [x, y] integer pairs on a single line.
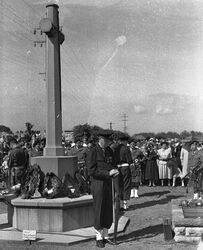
[[100, 164], [17, 163], [123, 160]]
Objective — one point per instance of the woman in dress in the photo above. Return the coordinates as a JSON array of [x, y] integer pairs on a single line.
[[135, 169], [165, 171], [184, 153], [174, 163], [151, 173]]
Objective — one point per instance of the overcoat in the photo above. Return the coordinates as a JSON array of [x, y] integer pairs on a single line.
[[17, 163], [99, 162]]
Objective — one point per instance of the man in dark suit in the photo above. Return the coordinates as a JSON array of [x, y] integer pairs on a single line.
[[123, 160], [101, 168]]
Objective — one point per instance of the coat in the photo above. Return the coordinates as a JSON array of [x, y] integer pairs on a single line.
[[17, 163], [99, 163], [184, 161]]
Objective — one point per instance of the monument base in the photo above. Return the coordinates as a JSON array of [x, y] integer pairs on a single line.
[[53, 215], [59, 165]]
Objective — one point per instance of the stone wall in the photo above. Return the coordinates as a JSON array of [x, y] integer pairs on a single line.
[[185, 229]]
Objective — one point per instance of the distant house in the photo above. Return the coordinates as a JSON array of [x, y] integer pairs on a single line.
[[68, 134]]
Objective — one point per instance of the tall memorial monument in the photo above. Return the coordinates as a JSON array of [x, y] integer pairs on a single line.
[[53, 159], [60, 214]]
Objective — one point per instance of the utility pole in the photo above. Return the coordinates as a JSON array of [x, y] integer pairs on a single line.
[[110, 125], [125, 119]]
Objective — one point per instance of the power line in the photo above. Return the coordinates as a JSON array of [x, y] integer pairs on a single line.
[[78, 63], [21, 21], [30, 6]]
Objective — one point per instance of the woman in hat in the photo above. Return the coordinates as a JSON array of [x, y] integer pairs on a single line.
[[135, 168], [151, 172], [164, 154]]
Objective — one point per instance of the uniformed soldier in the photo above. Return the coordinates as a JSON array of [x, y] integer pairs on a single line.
[[17, 163], [123, 160], [101, 168]]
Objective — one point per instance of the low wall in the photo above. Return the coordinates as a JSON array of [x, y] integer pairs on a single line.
[[185, 229]]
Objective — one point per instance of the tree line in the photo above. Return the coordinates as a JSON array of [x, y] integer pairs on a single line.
[[86, 129]]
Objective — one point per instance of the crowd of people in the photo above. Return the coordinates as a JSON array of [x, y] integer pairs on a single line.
[[154, 162], [103, 157]]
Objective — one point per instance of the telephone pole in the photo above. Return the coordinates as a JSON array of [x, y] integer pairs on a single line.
[[110, 125], [125, 119]]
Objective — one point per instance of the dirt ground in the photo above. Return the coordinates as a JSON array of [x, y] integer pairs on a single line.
[[145, 230]]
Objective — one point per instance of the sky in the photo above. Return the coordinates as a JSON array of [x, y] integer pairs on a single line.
[[154, 75]]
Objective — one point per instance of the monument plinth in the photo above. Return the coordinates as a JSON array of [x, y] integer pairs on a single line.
[[53, 215]]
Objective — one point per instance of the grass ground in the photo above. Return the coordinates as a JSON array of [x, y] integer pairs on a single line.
[[145, 231]]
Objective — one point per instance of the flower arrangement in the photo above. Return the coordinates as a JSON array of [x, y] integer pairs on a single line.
[[192, 203]]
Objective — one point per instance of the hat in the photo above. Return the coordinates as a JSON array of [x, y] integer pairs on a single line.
[[105, 133], [164, 142]]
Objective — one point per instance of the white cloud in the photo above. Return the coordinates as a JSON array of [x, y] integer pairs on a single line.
[[161, 110], [139, 109]]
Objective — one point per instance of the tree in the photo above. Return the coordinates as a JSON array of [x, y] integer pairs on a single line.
[[5, 129], [161, 135], [172, 135], [184, 134], [81, 130]]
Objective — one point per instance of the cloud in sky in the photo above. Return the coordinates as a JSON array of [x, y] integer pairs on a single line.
[[139, 109], [161, 110]]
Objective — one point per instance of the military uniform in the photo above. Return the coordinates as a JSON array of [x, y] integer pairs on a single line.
[[99, 163], [123, 159]]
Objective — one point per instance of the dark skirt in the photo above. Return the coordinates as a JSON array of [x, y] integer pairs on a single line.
[[151, 172], [174, 165], [125, 183], [102, 203]]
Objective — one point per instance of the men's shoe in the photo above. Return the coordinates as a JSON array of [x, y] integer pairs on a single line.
[[125, 206], [100, 243], [132, 195], [136, 193], [108, 241]]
